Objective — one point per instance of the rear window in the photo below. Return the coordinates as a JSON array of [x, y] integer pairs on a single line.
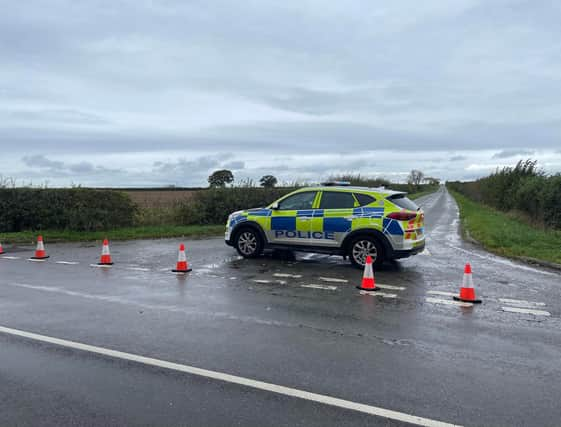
[[364, 199], [336, 200], [403, 201]]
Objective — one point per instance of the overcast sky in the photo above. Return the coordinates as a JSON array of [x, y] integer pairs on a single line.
[[152, 93]]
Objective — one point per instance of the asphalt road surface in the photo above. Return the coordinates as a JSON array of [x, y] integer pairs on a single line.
[[277, 340]]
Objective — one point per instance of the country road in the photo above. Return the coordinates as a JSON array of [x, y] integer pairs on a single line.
[[406, 356]]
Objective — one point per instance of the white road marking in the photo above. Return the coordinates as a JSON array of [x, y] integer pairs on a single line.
[[390, 287], [333, 280], [326, 287], [67, 262], [100, 266], [521, 303], [36, 260], [378, 294], [292, 276], [448, 302], [526, 311], [446, 294], [261, 281], [503, 261], [11, 257], [233, 379], [138, 269]]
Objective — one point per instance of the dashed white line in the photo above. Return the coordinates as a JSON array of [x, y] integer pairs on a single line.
[[448, 302], [443, 293], [11, 257], [390, 287], [333, 280], [138, 269], [36, 260], [67, 262], [100, 266], [326, 287], [261, 281], [521, 303], [378, 294], [233, 379], [526, 311], [292, 276]]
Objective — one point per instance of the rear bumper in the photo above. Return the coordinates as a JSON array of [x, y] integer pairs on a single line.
[[404, 253]]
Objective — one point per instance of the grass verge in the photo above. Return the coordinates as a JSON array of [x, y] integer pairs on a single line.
[[505, 235], [148, 232]]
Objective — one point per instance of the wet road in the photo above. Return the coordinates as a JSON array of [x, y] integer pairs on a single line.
[[297, 323]]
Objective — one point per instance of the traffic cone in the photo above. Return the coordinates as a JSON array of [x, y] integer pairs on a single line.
[[467, 292], [182, 266], [105, 254], [40, 252], [368, 281], [1, 249]]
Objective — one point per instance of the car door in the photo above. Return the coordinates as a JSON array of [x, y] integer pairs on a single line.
[[290, 221], [332, 220]]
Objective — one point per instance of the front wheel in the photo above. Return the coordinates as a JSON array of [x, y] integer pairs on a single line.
[[363, 246], [248, 243]]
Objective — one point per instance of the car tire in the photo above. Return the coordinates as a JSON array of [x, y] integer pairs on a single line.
[[248, 242], [365, 245]]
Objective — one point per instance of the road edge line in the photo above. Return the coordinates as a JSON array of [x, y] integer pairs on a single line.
[[234, 379]]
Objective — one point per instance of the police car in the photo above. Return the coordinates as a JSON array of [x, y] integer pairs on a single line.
[[333, 218]]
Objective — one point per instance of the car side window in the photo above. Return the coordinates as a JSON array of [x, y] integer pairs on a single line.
[[337, 200], [298, 201], [364, 199]]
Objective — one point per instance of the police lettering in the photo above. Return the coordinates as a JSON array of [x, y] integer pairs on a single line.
[[291, 234]]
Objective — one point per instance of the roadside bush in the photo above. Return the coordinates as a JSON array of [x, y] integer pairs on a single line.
[[523, 188], [212, 206], [76, 209]]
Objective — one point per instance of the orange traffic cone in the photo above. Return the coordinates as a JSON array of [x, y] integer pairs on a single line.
[[368, 281], [105, 254], [40, 252], [1, 249], [467, 292], [182, 266]]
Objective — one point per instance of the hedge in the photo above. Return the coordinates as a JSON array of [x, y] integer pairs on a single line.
[[522, 188], [76, 209]]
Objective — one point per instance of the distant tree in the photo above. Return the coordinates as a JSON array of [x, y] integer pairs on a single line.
[[431, 181], [268, 181], [415, 177], [220, 178]]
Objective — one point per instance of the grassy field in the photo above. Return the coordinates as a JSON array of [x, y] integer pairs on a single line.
[[505, 235], [154, 232]]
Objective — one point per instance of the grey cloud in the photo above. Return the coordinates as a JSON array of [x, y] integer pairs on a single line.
[[505, 154], [235, 165], [457, 158], [40, 161]]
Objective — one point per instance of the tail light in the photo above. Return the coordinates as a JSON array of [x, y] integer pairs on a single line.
[[402, 216]]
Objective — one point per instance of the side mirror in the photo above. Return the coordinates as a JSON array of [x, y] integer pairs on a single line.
[[275, 206]]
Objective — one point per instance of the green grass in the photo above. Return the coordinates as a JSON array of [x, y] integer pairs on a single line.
[[505, 235], [147, 232]]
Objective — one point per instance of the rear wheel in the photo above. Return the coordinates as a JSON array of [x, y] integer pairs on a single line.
[[363, 246], [248, 243]]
